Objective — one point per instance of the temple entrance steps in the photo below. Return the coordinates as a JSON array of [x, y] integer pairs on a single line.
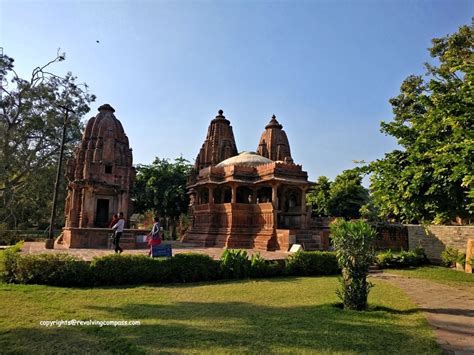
[[307, 241], [307, 238]]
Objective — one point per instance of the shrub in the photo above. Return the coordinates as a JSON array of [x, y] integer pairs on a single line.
[[312, 263], [193, 267], [8, 261], [388, 259], [354, 245], [119, 269], [235, 264], [450, 256], [259, 267], [51, 269]]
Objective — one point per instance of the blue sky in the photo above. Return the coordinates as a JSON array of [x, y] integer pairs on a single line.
[[326, 69]]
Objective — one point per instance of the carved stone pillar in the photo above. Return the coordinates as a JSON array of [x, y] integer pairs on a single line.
[[234, 193], [211, 195], [275, 204]]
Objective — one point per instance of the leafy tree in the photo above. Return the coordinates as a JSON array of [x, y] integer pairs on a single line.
[[432, 177], [32, 116], [318, 197], [347, 195], [342, 198], [355, 251], [162, 186]]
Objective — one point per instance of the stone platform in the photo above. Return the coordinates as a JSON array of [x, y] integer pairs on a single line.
[[178, 247]]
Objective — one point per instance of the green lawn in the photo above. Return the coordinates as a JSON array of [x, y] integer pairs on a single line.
[[438, 274], [296, 315]]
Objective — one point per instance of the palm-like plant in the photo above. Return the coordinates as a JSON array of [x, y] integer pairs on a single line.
[[354, 245]]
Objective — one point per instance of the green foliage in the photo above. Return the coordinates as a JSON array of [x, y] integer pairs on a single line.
[[118, 269], [347, 195], [342, 198], [193, 267], [31, 124], [8, 261], [127, 269], [52, 269], [450, 256], [235, 264], [431, 178], [354, 246], [161, 186], [411, 258], [312, 263], [318, 197], [259, 267]]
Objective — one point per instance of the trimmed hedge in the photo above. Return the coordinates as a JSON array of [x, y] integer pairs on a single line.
[[312, 263], [403, 259], [115, 269]]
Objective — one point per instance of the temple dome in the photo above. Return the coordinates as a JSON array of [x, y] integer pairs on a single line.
[[245, 159]]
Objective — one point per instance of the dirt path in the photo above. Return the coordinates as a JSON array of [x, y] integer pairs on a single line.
[[449, 310]]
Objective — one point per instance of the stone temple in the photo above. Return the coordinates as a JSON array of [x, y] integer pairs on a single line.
[[249, 200], [100, 179]]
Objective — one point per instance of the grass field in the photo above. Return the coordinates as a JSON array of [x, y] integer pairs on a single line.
[[292, 315], [438, 274]]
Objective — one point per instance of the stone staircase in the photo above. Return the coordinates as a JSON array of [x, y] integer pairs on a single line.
[[307, 241]]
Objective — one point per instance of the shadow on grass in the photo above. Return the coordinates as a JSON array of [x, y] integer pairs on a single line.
[[234, 327], [449, 311]]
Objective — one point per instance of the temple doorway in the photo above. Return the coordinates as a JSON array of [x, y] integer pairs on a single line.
[[102, 213]]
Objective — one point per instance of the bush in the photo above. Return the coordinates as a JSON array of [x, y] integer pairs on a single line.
[[193, 267], [450, 256], [128, 269], [388, 259], [51, 269], [235, 264], [8, 260], [354, 245], [312, 263], [259, 267]]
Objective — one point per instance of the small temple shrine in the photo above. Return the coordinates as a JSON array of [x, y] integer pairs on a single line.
[[248, 200], [100, 178]]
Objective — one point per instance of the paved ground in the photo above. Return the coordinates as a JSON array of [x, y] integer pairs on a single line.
[[448, 309], [178, 247]]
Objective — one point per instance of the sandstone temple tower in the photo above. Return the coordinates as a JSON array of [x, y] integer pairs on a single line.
[[274, 142], [100, 176], [219, 143]]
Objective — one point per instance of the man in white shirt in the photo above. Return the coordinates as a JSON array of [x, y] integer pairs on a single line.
[[118, 228]]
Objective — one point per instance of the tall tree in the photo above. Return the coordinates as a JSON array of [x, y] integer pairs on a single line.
[[347, 195], [342, 198], [32, 116], [161, 186], [431, 178], [318, 197]]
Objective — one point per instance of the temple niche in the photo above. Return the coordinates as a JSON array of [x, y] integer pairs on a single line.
[[248, 200], [100, 178]]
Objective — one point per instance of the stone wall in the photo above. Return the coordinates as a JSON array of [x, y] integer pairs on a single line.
[[391, 236], [436, 238]]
